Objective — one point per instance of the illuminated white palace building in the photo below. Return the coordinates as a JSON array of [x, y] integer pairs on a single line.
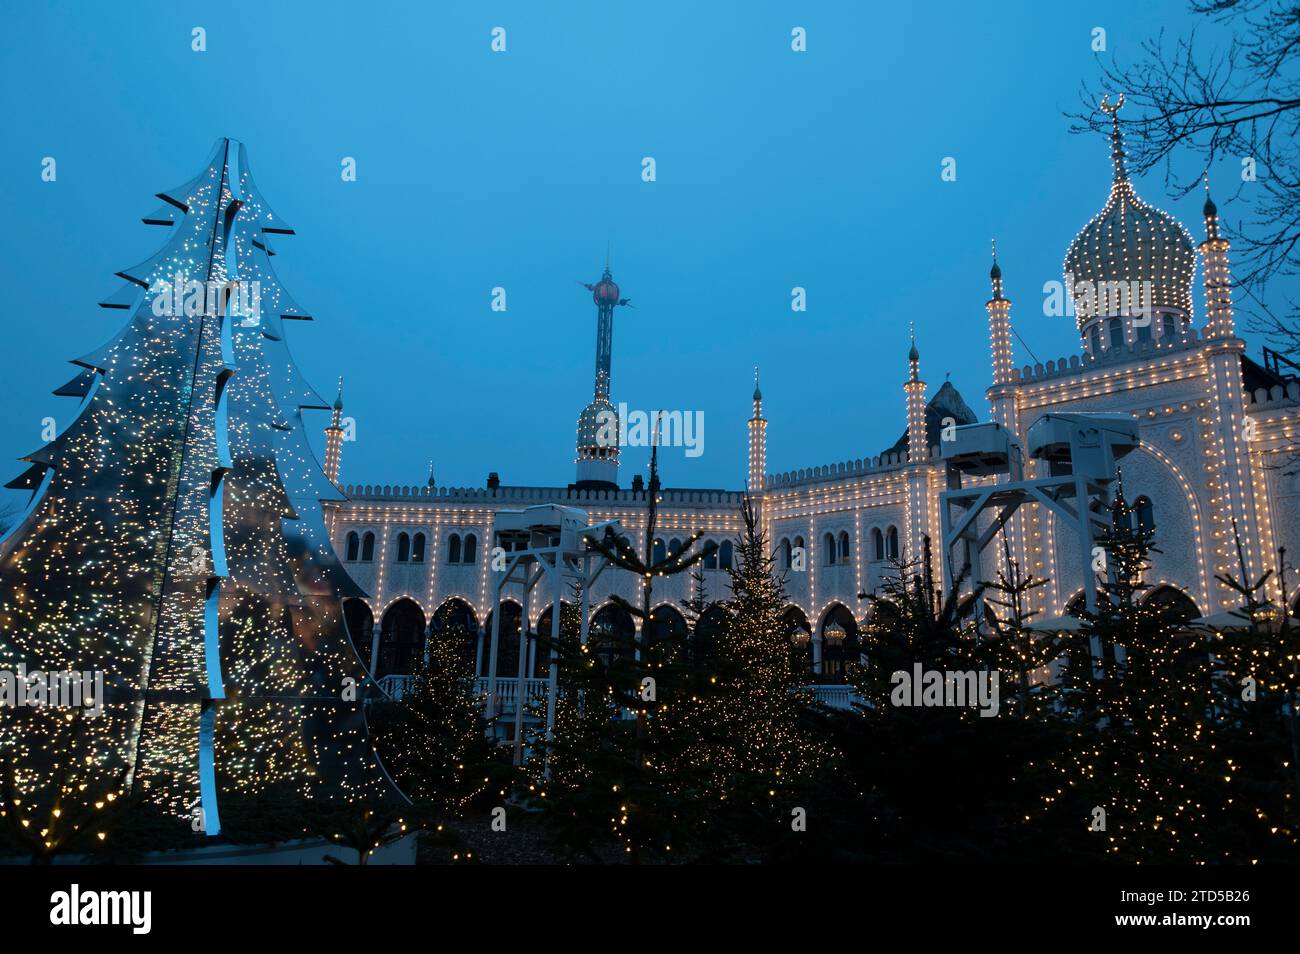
[[1215, 429]]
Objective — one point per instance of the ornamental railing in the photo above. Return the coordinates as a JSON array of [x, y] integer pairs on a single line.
[[395, 686]]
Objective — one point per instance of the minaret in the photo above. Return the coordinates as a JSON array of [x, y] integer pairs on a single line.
[[598, 425], [999, 309], [1218, 280], [1003, 398], [919, 492], [334, 439], [917, 441], [1230, 476], [757, 444]]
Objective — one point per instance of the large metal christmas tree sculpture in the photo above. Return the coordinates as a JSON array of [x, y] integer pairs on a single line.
[[175, 542]]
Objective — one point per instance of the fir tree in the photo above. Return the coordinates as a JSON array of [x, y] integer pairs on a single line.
[[1013, 646], [435, 740], [1141, 777]]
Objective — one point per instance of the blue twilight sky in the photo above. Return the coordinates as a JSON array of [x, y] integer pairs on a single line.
[[477, 169]]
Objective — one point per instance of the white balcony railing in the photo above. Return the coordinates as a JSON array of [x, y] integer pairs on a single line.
[[508, 693], [395, 686], [835, 696]]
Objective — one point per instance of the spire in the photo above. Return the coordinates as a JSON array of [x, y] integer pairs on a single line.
[[338, 401], [995, 274], [1215, 274], [1116, 137], [914, 357], [430, 480], [757, 476], [1211, 213]]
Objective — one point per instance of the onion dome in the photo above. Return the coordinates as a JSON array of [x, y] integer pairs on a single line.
[[1131, 255], [598, 431]]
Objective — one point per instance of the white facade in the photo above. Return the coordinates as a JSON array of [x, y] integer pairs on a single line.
[[1217, 432]]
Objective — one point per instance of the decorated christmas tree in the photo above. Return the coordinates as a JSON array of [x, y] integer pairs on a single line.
[[435, 739], [174, 543]]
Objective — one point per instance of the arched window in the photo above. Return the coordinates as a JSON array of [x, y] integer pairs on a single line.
[[840, 645], [401, 638], [455, 620], [361, 626], [1094, 340], [354, 547], [368, 546], [802, 552], [613, 634], [674, 547], [844, 546], [711, 555], [1143, 332], [403, 548], [417, 548], [877, 543], [666, 623], [785, 552], [1116, 333], [891, 543], [724, 555], [453, 548], [1173, 603], [1168, 328], [711, 626], [659, 552], [799, 632], [507, 641], [829, 542], [1144, 514], [471, 548]]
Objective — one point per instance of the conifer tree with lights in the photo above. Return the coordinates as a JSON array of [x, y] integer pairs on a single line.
[[606, 791], [435, 740], [1258, 700], [1143, 777], [740, 716], [1013, 647], [174, 542]]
